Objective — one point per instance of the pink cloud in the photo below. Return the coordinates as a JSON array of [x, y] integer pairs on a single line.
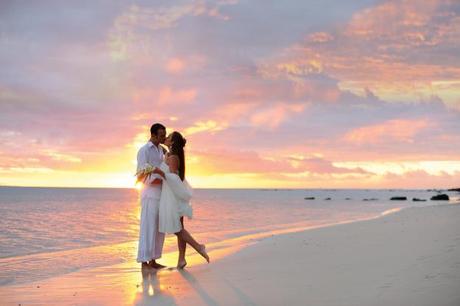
[[242, 161], [175, 65], [395, 130], [162, 97], [383, 48], [275, 115], [420, 179]]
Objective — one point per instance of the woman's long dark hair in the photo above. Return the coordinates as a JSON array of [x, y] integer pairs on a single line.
[[177, 148]]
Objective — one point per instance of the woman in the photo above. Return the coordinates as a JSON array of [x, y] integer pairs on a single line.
[[175, 199]]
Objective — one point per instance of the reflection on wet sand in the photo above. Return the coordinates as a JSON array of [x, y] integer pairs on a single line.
[[152, 292]]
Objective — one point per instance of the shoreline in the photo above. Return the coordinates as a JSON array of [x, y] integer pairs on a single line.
[[294, 258], [220, 248]]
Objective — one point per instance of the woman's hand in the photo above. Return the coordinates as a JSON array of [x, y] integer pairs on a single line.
[[159, 172]]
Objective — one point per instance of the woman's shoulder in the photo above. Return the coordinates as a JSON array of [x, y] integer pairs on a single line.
[[172, 160]]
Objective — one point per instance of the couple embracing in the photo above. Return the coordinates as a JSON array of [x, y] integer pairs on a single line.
[[165, 197]]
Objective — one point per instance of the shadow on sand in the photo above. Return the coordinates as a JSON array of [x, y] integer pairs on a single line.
[[207, 299]]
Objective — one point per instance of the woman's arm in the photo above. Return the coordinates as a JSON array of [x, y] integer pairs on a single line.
[[159, 172]]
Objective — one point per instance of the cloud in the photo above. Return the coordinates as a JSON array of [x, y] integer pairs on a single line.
[[165, 17], [336, 84], [398, 49], [275, 115], [243, 161], [395, 130], [175, 65], [127, 38], [421, 179], [209, 126]]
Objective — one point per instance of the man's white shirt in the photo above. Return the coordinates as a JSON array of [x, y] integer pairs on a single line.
[[153, 155]]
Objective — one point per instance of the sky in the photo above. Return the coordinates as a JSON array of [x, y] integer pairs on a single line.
[[269, 94]]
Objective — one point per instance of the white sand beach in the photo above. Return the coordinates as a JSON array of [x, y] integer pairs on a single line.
[[411, 257]]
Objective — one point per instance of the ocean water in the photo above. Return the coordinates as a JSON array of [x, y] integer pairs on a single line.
[[47, 232]]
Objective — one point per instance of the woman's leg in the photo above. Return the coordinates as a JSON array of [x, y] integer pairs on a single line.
[[181, 245], [200, 248]]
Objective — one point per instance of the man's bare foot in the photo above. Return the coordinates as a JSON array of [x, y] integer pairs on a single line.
[[181, 264], [156, 265], [203, 252]]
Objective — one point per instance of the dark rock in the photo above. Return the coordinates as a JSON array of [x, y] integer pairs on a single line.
[[371, 199], [309, 198], [327, 199], [398, 198], [348, 199], [418, 200], [454, 189], [440, 197]]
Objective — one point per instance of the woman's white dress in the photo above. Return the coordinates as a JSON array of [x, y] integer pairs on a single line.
[[174, 202]]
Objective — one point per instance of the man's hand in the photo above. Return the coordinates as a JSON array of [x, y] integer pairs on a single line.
[[141, 178]]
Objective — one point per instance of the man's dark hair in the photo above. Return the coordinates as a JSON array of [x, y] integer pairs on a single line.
[[156, 127]]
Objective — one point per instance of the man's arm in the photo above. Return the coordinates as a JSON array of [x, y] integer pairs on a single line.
[[141, 162]]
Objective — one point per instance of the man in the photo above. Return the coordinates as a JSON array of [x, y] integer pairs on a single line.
[[150, 239]]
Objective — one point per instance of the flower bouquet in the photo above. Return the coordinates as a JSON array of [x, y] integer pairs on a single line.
[[145, 172]]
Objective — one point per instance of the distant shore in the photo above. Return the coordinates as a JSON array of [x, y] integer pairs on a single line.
[[444, 189]]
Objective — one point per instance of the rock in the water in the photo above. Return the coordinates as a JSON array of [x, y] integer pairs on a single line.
[[454, 189], [398, 199], [327, 199], [371, 199], [418, 200], [440, 197], [309, 198], [347, 199]]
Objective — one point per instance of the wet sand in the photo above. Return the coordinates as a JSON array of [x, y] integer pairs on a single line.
[[411, 257]]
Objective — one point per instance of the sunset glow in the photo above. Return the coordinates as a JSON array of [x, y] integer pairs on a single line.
[[361, 94]]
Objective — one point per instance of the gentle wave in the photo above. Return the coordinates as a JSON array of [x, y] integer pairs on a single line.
[[50, 231]]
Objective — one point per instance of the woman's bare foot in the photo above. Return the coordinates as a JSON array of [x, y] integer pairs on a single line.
[[203, 252], [181, 264]]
